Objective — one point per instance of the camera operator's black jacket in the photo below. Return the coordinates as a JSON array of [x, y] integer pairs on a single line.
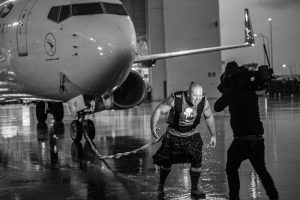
[[244, 111]]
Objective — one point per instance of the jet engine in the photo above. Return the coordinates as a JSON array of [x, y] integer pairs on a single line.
[[131, 93]]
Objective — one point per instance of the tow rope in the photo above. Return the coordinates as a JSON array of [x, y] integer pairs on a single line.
[[119, 155]]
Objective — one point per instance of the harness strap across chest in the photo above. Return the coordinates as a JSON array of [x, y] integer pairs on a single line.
[[178, 97]]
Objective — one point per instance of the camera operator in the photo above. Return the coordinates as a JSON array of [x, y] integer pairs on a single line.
[[238, 86]]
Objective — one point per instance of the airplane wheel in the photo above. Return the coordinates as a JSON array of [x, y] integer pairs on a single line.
[[58, 111], [41, 113], [76, 131], [89, 129]]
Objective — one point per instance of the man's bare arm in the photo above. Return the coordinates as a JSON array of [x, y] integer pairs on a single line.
[[209, 118], [163, 108], [210, 122]]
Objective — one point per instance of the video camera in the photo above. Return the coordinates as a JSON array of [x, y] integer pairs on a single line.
[[248, 77]]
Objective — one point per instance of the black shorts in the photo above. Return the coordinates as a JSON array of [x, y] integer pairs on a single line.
[[176, 149]]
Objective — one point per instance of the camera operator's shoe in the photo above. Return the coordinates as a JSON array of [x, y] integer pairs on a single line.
[[197, 194]]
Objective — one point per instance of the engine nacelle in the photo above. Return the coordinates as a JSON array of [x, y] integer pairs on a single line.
[[131, 93]]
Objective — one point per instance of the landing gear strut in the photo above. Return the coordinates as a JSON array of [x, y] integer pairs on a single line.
[[82, 126]]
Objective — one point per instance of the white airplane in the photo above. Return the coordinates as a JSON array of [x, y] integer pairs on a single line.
[[76, 51]]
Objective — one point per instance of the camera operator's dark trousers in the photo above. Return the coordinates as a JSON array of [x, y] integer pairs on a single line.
[[252, 148]]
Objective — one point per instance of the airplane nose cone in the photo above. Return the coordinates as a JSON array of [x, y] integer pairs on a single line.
[[108, 31], [110, 52]]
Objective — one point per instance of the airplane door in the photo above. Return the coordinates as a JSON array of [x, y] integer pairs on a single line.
[[22, 28]]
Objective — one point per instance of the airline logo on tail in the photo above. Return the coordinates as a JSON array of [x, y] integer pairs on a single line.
[[248, 29]]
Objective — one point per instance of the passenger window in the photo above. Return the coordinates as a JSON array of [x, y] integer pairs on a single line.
[[53, 14], [116, 9], [64, 13], [86, 9]]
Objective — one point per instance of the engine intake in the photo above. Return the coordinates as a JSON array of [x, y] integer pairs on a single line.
[[131, 93]]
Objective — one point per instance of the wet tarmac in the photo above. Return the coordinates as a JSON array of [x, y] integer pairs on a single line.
[[40, 161]]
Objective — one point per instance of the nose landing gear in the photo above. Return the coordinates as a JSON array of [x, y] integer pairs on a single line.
[[88, 129], [76, 130], [82, 126]]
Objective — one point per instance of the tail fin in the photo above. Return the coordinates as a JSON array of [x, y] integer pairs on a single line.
[[249, 35]]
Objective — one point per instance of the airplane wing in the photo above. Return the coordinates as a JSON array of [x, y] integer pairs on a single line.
[[149, 60]]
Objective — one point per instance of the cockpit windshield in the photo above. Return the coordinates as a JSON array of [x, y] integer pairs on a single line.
[[86, 9], [63, 12], [117, 9]]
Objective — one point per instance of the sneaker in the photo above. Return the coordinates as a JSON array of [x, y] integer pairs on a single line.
[[198, 194]]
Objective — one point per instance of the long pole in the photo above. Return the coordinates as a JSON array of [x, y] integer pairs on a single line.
[[271, 41], [266, 51], [266, 55]]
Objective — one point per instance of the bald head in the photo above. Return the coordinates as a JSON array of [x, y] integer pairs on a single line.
[[195, 87], [195, 93]]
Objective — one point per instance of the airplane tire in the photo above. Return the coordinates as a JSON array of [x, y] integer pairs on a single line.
[[76, 131], [41, 113], [89, 129], [58, 111]]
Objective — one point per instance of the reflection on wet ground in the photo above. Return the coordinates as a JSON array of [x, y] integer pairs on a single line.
[[40, 161]]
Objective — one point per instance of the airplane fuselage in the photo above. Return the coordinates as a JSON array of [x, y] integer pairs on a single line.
[[86, 52]]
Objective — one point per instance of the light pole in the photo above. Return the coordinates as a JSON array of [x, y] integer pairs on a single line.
[[271, 41], [265, 38]]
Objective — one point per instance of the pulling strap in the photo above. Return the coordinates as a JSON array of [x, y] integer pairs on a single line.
[[178, 96]]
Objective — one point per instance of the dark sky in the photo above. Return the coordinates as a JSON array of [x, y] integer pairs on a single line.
[[285, 28]]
